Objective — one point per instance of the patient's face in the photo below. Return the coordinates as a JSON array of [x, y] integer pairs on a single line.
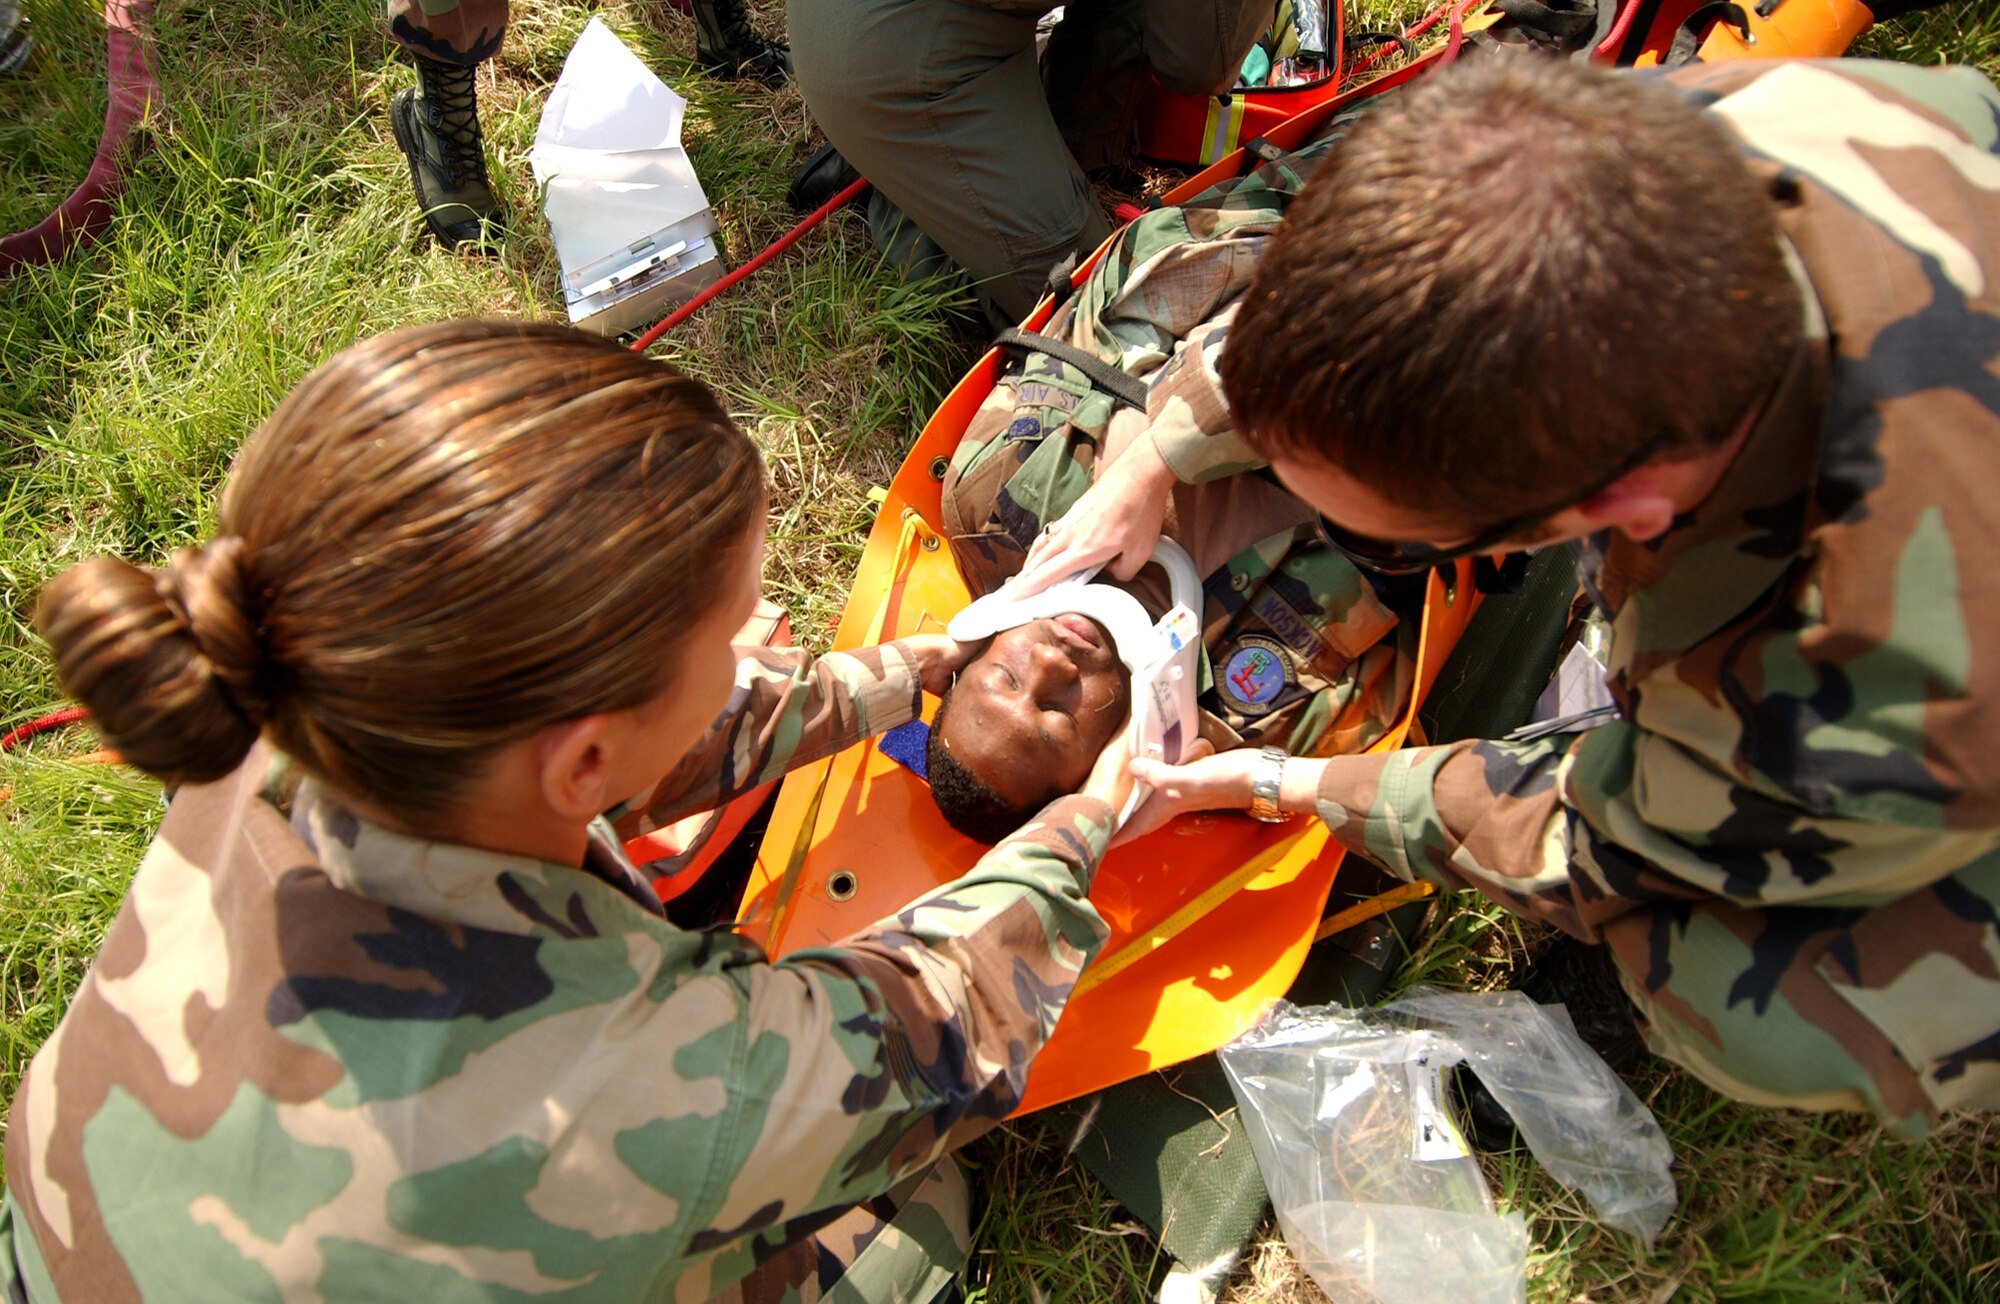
[[1030, 714]]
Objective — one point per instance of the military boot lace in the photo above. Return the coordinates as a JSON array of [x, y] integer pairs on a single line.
[[450, 107], [727, 45]]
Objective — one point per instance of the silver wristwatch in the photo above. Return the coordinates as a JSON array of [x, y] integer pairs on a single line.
[[1265, 777]]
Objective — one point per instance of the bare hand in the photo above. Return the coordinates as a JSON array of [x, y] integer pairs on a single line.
[[1117, 520], [939, 658], [1110, 779], [1222, 782], [1202, 781]]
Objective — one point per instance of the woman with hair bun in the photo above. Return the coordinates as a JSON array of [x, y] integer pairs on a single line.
[[386, 1014]]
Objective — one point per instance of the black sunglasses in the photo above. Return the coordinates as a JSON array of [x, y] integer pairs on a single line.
[[1388, 557]]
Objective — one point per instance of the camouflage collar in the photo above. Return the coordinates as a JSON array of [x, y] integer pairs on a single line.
[[464, 885], [1721, 556]]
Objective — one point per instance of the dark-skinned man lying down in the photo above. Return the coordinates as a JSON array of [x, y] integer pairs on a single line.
[[1303, 652]]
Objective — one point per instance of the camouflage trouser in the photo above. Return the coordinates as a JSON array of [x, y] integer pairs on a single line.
[[899, 1248], [1880, 1009], [464, 32]]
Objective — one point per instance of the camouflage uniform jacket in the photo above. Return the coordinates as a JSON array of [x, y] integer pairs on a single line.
[[317, 1059], [1303, 651], [1791, 838]]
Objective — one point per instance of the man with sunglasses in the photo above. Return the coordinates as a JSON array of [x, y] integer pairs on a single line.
[[1733, 336]]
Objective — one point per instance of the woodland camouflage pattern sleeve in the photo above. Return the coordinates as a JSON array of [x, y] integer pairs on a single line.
[[788, 709], [433, 1072], [908, 1040], [1187, 416], [1791, 841]]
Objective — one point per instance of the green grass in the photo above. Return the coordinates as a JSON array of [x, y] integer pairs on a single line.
[[270, 223]]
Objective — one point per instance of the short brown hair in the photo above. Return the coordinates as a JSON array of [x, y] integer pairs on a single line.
[[1506, 280], [443, 540], [969, 803]]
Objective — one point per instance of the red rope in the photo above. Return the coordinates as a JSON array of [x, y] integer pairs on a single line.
[[128, 56], [778, 246], [1429, 20], [53, 720], [1456, 32]]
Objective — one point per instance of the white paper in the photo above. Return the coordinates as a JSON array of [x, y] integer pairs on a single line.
[[606, 99], [608, 154], [1579, 685]]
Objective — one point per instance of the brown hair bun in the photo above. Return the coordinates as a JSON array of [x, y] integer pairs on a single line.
[[167, 660], [443, 540]]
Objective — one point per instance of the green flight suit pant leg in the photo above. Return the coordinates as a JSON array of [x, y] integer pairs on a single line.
[[941, 104], [1101, 55], [461, 32]]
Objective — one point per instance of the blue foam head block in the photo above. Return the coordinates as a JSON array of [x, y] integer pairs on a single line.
[[905, 746]]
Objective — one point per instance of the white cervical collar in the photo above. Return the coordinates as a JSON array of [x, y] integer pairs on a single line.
[[1159, 654]]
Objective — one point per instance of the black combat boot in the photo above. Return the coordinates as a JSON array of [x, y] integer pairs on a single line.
[[438, 130], [14, 39], [727, 45], [821, 177]]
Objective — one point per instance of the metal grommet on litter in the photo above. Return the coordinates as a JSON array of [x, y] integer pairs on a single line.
[[939, 465], [841, 885]]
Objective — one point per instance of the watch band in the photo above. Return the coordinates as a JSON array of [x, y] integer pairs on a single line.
[[1265, 776]]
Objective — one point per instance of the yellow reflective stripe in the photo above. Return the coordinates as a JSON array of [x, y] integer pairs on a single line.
[[1223, 127]]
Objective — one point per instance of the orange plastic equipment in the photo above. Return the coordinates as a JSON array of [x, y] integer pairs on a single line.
[[1198, 129], [1210, 917], [1796, 29]]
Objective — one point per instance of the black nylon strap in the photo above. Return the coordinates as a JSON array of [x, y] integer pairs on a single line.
[[1361, 40], [1688, 36], [1566, 23], [1057, 285], [1129, 390], [1258, 151]]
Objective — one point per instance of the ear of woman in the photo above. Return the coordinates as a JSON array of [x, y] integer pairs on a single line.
[[537, 795], [575, 765]]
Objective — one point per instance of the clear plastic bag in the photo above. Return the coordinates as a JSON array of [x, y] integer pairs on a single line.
[[1377, 1192], [1578, 1120]]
